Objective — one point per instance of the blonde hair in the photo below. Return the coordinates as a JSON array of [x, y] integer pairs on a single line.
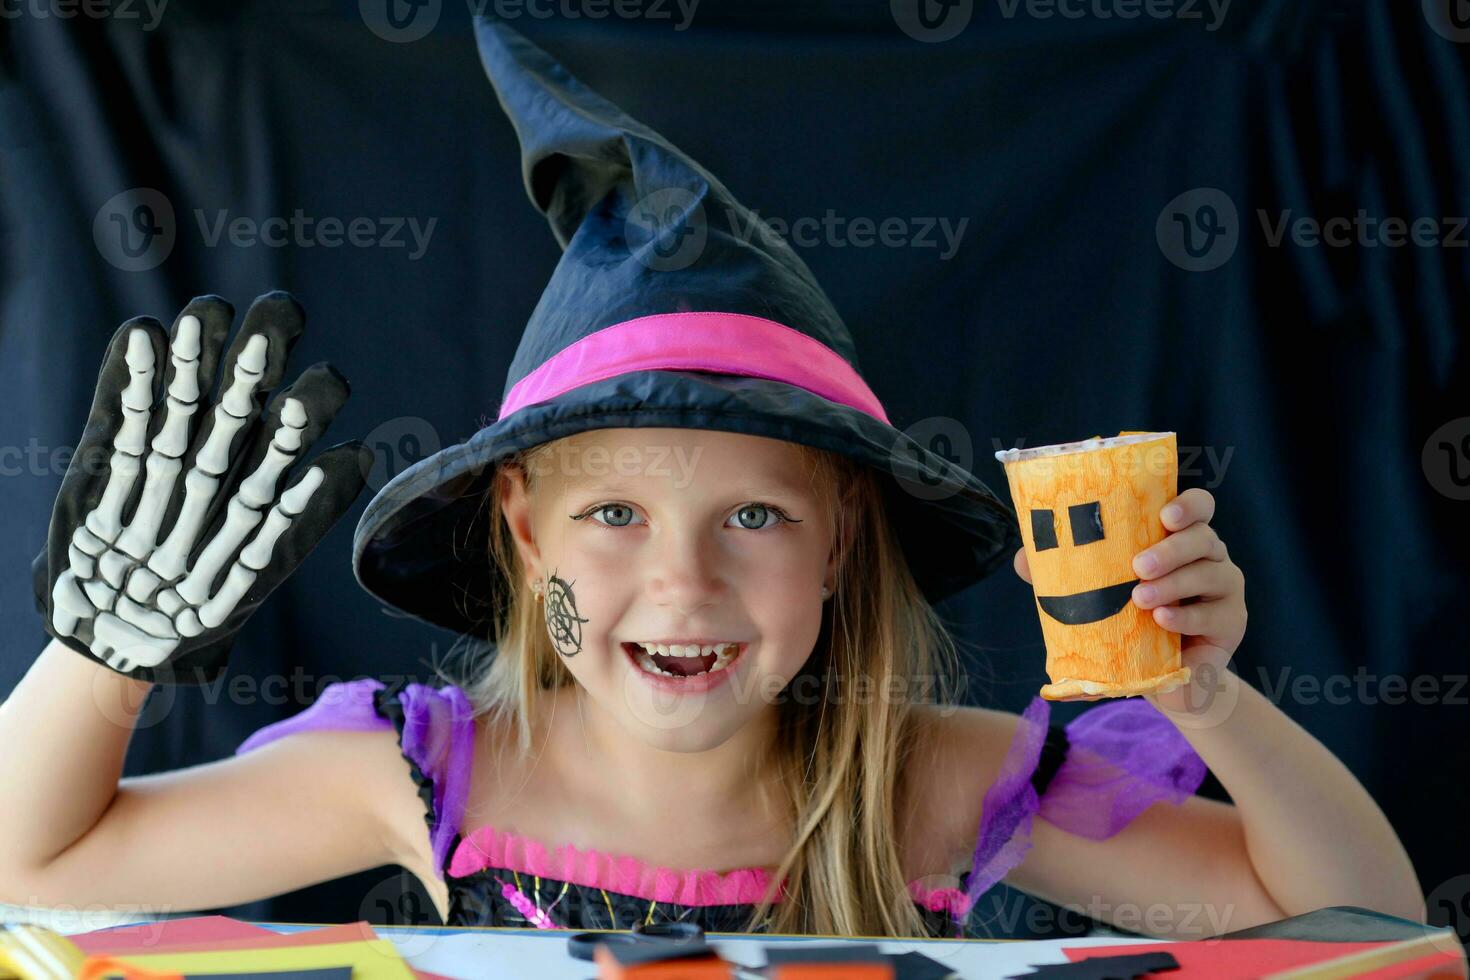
[[840, 761]]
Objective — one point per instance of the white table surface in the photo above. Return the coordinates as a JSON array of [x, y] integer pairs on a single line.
[[534, 954]]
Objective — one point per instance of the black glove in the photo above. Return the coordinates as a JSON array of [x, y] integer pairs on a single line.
[[159, 549]]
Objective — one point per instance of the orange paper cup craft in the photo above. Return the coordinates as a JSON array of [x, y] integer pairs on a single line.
[[1085, 510]]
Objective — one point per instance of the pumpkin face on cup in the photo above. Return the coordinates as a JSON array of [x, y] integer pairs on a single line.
[[1086, 509]]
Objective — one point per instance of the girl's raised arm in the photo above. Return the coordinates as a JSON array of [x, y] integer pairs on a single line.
[[311, 807], [178, 516]]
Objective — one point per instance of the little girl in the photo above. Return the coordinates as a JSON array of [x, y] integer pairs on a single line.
[[697, 565]]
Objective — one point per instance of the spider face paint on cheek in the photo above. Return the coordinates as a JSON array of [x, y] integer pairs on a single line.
[[562, 622]]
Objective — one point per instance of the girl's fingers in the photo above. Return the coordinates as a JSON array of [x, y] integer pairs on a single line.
[[1178, 549], [1023, 568], [1193, 505], [1212, 617], [1202, 579]]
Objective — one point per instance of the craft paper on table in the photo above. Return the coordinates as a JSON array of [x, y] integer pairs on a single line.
[[201, 929], [378, 959], [1258, 957], [265, 939], [1086, 509], [213, 933]]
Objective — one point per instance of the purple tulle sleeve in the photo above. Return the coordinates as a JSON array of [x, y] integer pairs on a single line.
[[1122, 757], [435, 731]]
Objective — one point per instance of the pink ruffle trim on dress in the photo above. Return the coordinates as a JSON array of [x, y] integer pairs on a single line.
[[486, 847]]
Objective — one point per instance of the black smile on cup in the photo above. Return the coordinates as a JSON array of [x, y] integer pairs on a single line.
[[1080, 608]]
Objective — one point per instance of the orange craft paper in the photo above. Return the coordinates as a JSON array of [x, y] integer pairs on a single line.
[[1086, 509]]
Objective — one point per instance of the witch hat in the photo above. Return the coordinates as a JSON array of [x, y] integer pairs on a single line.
[[665, 310]]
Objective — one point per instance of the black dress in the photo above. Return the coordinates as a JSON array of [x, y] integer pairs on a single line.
[[501, 878]]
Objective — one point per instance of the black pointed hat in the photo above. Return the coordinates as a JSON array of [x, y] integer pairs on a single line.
[[672, 306]]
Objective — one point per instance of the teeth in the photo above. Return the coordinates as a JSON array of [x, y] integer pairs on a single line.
[[723, 654], [689, 650]]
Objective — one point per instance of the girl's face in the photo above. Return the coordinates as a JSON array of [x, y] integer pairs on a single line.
[[650, 537]]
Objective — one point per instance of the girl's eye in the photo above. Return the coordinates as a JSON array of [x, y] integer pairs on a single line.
[[751, 517], [625, 512], [761, 511]]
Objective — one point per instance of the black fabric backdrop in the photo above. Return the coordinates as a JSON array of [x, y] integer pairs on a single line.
[[1306, 382]]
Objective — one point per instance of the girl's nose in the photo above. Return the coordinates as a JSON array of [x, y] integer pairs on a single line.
[[688, 574]]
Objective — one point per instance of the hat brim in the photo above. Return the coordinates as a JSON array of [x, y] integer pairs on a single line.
[[421, 544]]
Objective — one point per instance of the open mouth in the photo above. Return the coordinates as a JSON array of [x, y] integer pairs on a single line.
[[677, 661]]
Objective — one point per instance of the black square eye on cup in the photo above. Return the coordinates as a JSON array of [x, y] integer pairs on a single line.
[[1043, 529], [1086, 523]]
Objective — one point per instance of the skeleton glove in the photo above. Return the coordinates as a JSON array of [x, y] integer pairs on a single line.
[[154, 577]]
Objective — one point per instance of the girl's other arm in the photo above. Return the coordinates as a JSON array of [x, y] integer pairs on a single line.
[[308, 808], [1173, 872], [1288, 845]]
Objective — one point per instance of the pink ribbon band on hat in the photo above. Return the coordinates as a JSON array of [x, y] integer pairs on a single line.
[[726, 343]]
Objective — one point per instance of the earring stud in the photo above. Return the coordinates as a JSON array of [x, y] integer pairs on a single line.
[[826, 592]]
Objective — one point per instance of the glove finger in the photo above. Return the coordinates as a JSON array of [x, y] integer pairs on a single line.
[[316, 499], [215, 315], [252, 366], [278, 317], [194, 347], [103, 474], [295, 421]]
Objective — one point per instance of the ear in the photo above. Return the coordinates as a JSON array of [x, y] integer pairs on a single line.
[[515, 504]]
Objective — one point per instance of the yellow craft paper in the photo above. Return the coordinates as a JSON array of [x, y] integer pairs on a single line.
[[375, 959]]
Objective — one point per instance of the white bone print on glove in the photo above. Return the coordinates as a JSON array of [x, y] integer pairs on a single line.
[[137, 595], [154, 577]]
